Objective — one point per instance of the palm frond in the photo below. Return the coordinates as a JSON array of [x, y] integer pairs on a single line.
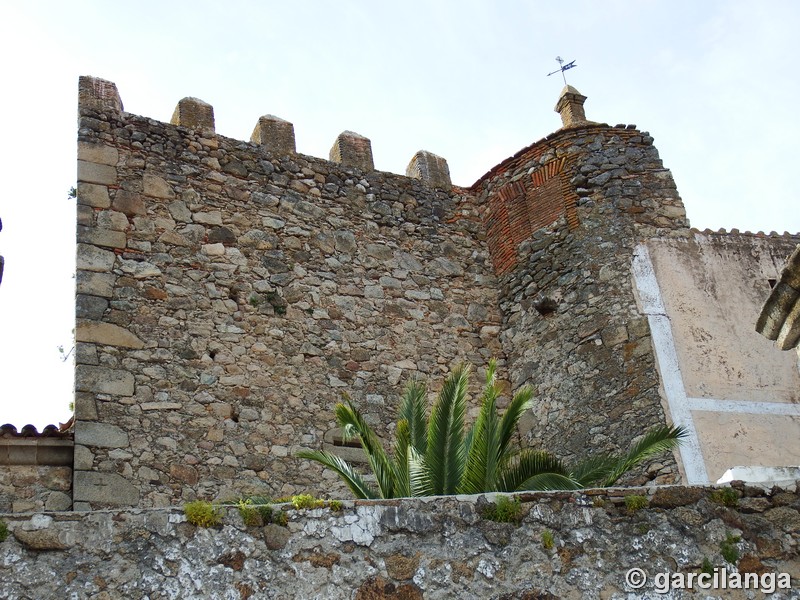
[[412, 409], [655, 441], [354, 480], [593, 470], [353, 423], [402, 445], [444, 454], [481, 446], [520, 402], [419, 475], [534, 470]]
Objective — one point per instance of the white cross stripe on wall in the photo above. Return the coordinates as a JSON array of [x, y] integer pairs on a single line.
[[680, 406]]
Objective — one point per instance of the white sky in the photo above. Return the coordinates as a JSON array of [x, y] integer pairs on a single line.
[[715, 83]]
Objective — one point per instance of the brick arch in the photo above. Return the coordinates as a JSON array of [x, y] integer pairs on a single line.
[[519, 208]]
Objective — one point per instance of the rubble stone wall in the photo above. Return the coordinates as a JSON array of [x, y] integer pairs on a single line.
[[563, 545], [228, 295]]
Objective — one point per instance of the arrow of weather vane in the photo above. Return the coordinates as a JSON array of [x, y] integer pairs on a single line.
[[563, 67]]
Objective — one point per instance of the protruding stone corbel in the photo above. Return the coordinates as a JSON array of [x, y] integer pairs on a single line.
[[98, 94], [275, 134], [194, 114], [352, 150], [431, 169]]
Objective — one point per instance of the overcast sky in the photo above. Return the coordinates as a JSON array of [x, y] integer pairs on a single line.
[[714, 82]]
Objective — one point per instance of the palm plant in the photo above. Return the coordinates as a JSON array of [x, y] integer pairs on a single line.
[[434, 456]]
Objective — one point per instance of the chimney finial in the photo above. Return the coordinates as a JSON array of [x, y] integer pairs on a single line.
[[570, 107]]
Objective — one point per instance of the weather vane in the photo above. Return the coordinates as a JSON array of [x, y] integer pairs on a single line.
[[563, 68]]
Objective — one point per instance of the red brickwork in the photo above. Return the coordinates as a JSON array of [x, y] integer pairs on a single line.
[[522, 207]]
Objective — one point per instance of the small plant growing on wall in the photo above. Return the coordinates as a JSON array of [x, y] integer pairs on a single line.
[[548, 541], [634, 503], [306, 501], [251, 516], [726, 497], [202, 514], [3, 531], [707, 567], [503, 510], [729, 550]]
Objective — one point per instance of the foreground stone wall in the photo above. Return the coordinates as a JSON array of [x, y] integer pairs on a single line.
[[228, 294], [581, 200], [436, 548]]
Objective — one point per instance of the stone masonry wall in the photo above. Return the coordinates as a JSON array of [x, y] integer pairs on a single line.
[[27, 488], [433, 548], [227, 296], [571, 325], [35, 470]]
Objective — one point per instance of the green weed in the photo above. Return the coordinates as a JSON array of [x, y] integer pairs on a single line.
[[729, 550], [548, 541], [202, 514], [504, 510], [726, 496], [634, 503]]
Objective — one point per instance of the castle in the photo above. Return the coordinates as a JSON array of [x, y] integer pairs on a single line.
[[229, 291]]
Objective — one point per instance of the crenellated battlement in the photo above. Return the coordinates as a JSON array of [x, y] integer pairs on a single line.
[[274, 134]]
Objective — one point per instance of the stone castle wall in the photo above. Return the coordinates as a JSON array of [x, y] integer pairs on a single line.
[[428, 548], [228, 294]]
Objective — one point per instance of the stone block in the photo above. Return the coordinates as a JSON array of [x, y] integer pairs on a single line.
[[104, 488], [102, 237], [193, 113], [146, 406], [98, 94], [157, 187], [86, 354], [128, 203], [91, 258], [91, 194], [213, 249], [431, 169], [352, 150], [106, 333], [90, 307], [179, 211], [89, 172], [85, 405], [103, 380], [100, 435], [54, 453], [84, 215], [98, 153], [83, 458], [58, 501], [111, 219], [95, 284], [42, 539], [276, 135]]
